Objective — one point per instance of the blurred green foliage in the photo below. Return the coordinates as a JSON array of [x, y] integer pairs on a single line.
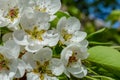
[[99, 36]]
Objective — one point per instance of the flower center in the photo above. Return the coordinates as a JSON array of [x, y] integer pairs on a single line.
[[3, 63], [72, 58], [12, 14], [35, 33], [40, 9], [42, 69], [65, 35]]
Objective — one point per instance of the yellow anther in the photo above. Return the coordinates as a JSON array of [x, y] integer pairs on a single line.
[[66, 36], [12, 14], [35, 33]]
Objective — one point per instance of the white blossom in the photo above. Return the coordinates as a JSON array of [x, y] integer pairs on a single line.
[[41, 65], [9, 60], [10, 13], [69, 30], [35, 33], [72, 56], [46, 6]]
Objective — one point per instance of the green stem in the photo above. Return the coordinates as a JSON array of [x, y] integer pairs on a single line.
[[90, 78], [20, 26], [92, 71], [115, 47], [56, 56], [94, 33], [105, 77]]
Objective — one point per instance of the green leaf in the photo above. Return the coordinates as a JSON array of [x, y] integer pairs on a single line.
[[103, 77], [4, 30], [60, 14], [62, 77], [100, 43], [106, 57], [89, 27], [114, 16], [73, 10], [99, 31]]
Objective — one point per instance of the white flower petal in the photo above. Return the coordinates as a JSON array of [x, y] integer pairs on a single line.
[[4, 52], [20, 37], [81, 74], [4, 76], [75, 67], [51, 6], [75, 48], [33, 48], [56, 66], [84, 54], [28, 59], [7, 37], [14, 24], [7, 19], [12, 67], [84, 43], [33, 19], [43, 18], [50, 38], [44, 54], [13, 48], [78, 36], [46, 77], [44, 26], [20, 69], [54, 6], [72, 25], [32, 76], [69, 30], [61, 24], [3, 21], [65, 54], [28, 14], [9, 49], [67, 73], [52, 17]]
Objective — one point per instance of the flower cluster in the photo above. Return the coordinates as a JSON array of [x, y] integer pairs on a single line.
[[29, 49]]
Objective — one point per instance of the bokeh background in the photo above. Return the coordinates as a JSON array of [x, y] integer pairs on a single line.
[[99, 18]]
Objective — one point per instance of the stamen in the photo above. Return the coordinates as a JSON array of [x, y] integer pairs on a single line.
[[3, 62], [12, 14], [42, 69], [40, 9], [66, 36], [72, 58], [35, 33]]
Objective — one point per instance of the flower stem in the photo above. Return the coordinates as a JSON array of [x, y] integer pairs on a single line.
[[90, 78], [92, 71], [105, 77]]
